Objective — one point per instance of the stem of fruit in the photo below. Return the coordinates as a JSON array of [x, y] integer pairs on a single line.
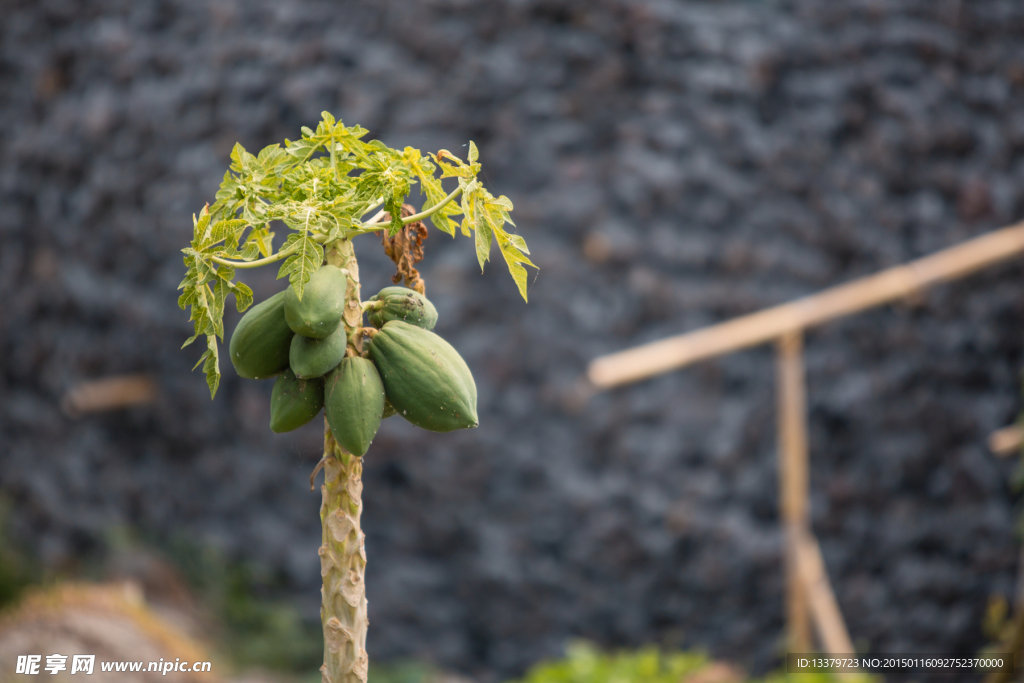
[[342, 554]]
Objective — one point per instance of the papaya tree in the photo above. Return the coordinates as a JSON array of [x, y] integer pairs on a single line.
[[326, 189]]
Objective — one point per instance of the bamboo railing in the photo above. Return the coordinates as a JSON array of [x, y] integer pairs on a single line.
[[889, 285], [809, 595]]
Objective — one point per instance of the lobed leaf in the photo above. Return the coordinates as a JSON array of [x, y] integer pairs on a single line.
[[243, 295], [306, 259], [483, 231]]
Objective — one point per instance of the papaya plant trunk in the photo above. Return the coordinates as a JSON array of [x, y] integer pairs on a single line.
[[342, 554]]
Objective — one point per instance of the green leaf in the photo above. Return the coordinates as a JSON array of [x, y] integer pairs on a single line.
[[226, 230], [226, 273], [212, 365], [243, 295], [220, 295], [228, 196], [433, 190], [260, 239], [201, 228], [298, 267], [301, 149], [518, 273], [242, 161], [483, 232], [271, 158], [473, 153], [190, 279], [187, 299], [249, 252], [519, 243], [205, 270], [513, 247]]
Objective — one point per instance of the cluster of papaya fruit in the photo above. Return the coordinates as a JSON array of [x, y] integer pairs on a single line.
[[406, 369]]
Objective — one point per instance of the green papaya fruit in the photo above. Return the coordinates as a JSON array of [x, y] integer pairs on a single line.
[[402, 303], [354, 403], [319, 311], [389, 409], [426, 379], [294, 401], [259, 344], [310, 357]]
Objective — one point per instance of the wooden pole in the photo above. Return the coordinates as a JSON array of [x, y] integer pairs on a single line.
[[659, 357], [1006, 441], [793, 483], [109, 393], [828, 619]]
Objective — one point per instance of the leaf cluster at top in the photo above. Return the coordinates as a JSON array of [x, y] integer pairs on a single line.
[[320, 187]]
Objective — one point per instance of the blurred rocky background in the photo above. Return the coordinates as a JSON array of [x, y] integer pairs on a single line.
[[672, 164]]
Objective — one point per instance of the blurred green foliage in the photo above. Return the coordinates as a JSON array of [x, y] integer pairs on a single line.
[[257, 629], [586, 664], [18, 570], [402, 672]]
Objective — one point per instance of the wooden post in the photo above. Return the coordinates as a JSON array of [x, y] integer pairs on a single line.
[[793, 483], [1006, 441], [828, 620]]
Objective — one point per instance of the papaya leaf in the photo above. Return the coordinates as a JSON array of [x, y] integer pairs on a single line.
[[219, 292], [201, 308], [271, 158], [190, 279], [201, 228], [211, 365], [513, 247], [249, 252], [298, 267], [226, 273], [301, 149], [483, 232], [205, 271], [433, 190], [394, 197], [230, 230], [243, 295], [518, 242], [515, 260], [242, 161], [187, 298], [228, 196], [328, 133], [468, 205], [519, 275], [503, 202]]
